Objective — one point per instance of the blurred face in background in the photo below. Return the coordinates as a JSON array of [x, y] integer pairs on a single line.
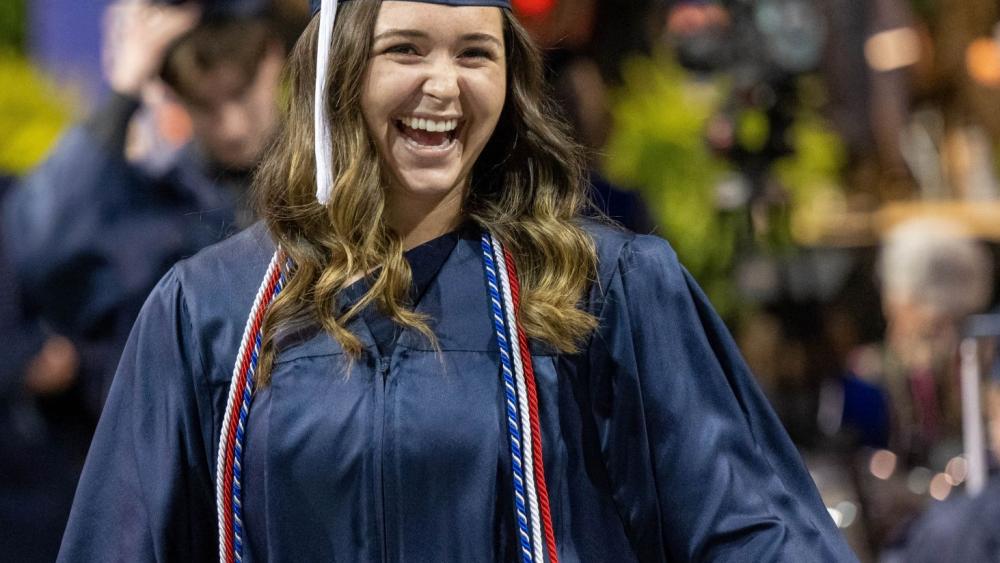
[[233, 116], [921, 335]]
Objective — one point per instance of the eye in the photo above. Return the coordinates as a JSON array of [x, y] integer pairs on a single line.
[[477, 53], [402, 49]]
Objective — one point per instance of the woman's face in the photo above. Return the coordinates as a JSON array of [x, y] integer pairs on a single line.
[[433, 94]]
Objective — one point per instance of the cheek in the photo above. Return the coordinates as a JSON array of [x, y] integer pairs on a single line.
[[488, 95], [384, 88], [375, 103], [500, 91]]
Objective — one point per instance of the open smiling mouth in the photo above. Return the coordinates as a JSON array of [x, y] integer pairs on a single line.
[[429, 134]]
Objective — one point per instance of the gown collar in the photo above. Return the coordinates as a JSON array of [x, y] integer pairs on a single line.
[[454, 300]]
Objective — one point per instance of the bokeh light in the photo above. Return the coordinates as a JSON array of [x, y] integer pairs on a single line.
[[957, 470], [892, 49], [982, 60], [940, 488], [882, 464], [919, 480], [534, 8]]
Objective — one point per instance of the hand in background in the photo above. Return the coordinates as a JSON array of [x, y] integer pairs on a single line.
[[137, 35], [54, 369]]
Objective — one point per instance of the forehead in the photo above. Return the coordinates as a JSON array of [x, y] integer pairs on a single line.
[[435, 19], [218, 85]]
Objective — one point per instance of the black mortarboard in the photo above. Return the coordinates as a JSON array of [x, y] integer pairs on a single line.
[[315, 4]]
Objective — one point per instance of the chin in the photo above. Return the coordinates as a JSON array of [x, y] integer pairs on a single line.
[[428, 186], [237, 162]]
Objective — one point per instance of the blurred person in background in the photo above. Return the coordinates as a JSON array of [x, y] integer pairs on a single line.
[[963, 527], [44, 437], [583, 95], [91, 231], [933, 274], [581, 59]]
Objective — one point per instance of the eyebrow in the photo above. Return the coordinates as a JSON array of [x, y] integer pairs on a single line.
[[416, 34]]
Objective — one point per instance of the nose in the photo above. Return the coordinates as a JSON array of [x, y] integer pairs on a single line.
[[442, 79], [233, 122]]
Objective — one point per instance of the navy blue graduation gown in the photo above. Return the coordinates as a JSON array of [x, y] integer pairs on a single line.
[[961, 528], [658, 444]]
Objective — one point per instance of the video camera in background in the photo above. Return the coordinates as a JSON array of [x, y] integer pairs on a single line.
[[770, 37], [763, 46]]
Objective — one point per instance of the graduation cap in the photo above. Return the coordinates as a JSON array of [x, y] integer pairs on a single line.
[[321, 125], [314, 5]]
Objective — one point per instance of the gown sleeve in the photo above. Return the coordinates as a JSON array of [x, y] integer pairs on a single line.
[[146, 492], [701, 469]]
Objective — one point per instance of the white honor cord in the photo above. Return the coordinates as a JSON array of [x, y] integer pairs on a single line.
[[321, 123]]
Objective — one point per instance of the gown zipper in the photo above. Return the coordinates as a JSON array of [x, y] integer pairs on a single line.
[[381, 375]]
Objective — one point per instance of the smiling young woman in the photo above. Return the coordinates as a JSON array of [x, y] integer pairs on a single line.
[[443, 362], [507, 166]]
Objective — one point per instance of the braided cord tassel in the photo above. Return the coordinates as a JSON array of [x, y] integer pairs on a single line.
[[510, 395], [536, 434], [502, 260], [229, 464]]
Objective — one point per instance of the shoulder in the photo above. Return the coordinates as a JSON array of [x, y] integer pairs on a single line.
[[218, 286], [228, 264], [627, 257]]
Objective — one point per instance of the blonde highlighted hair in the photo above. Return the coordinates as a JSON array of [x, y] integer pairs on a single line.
[[527, 187]]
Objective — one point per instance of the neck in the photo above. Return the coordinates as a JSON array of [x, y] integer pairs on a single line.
[[418, 221]]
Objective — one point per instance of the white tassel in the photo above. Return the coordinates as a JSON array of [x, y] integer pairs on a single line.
[[321, 125]]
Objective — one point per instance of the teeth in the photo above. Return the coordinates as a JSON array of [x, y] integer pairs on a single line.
[[430, 125]]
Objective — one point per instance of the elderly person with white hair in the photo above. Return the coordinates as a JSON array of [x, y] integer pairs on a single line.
[[933, 275]]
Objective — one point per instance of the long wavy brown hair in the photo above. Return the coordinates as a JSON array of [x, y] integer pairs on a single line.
[[527, 187]]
